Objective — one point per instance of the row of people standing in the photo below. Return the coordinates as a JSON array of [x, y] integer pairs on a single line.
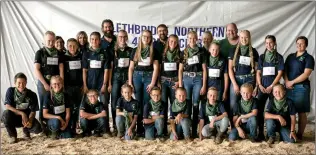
[[109, 63]]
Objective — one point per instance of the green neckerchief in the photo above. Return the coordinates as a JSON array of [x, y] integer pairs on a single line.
[[192, 51], [178, 106], [156, 106], [246, 105], [213, 60], [51, 51], [59, 97], [171, 55], [211, 110], [145, 52], [18, 96], [244, 50], [278, 105], [68, 53], [269, 56], [95, 50]]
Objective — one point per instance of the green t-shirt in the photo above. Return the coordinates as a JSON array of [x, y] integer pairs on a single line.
[[225, 47]]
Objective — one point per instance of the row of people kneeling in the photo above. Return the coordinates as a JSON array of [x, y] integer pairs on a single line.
[[21, 104]]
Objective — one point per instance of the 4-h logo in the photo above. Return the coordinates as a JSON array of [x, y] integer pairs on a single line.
[[134, 107], [220, 63], [301, 58], [102, 56]]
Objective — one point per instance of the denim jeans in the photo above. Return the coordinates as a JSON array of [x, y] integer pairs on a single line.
[[218, 84], [118, 80], [141, 80], [98, 125], [274, 126], [235, 98], [219, 126], [11, 121], [103, 99], [300, 95], [41, 94], [193, 86], [54, 125], [249, 127], [75, 94], [120, 125], [182, 129], [150, 129], [167, 93], [262, 99]]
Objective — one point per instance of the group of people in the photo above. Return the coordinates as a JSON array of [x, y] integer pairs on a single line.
[[199, 91]]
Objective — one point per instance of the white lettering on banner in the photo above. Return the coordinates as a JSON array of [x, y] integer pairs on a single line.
[[193, 60], [268, 71], [213, 72], [244, 60], [123, 62], [152, 113], [170, 66], [211, 117], [52, 61], [95, 64], [59, 109], [22, 106], [144, 62], [74, 65]]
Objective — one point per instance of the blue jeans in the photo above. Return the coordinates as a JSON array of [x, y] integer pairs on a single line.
[[300, 95], [75, 94], [219, 126], [54, 125], [235, 98], [120, 125], [193, 86], [117, 81], [218, 84], [41, 94], [167, 93], [97, 125], [274, 125], [103, 99], [141, 80], [150, 129], [249, 127], [182, 129], [262, 99]]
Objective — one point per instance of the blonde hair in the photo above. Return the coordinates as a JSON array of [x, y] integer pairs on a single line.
[[57, 78], [140, 46], [247, 85], [281, 86], [93, 91], [166, 48], [185, 52], [212, 88], [50, 33], [252, 63], [126, 86], [116, 46]]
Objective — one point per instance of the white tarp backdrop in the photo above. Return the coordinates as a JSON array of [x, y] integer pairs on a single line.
[[24, 23]]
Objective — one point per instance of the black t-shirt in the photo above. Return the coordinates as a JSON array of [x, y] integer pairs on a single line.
[[187, 110], [219, 111], [242, 69], [170, 68], [49, 64], [159, 48], [238, 110], [144, 67], [55, 108], [73, 69], [194, 63], [129, 106], [91, 108], [286, 112], [148, 110], [30, 103], [121, 61]]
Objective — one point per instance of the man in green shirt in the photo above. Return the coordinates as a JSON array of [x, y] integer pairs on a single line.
[[230, 41]]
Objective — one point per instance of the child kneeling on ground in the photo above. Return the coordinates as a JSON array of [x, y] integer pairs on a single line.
[[127, 110], [280, 116], [154, 115], [92, 115], [244, 115], [215, 117]]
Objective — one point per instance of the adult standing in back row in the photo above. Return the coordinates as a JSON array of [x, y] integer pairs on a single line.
[[230, 41]]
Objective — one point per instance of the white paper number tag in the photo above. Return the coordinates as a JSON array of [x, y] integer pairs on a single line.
[[74, 65], [22, 106], [213, 72], [123, 62], [59, 109], [170, 66], [193, 60], [152, 113], [268, 71], [52, 61], [210, 118], [144, 62], [95, 64], [244, 60]]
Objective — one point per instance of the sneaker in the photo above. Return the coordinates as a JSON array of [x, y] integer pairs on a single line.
[[254, 140], [219, 138], [119, 135], [53, 135], [26, 136], [107, 135], [114, 133], [161, 138], [271, 140], [213, 134], [13, 140], [188, 139]]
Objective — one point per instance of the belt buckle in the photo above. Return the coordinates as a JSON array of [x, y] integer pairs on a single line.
[[192, 74]]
